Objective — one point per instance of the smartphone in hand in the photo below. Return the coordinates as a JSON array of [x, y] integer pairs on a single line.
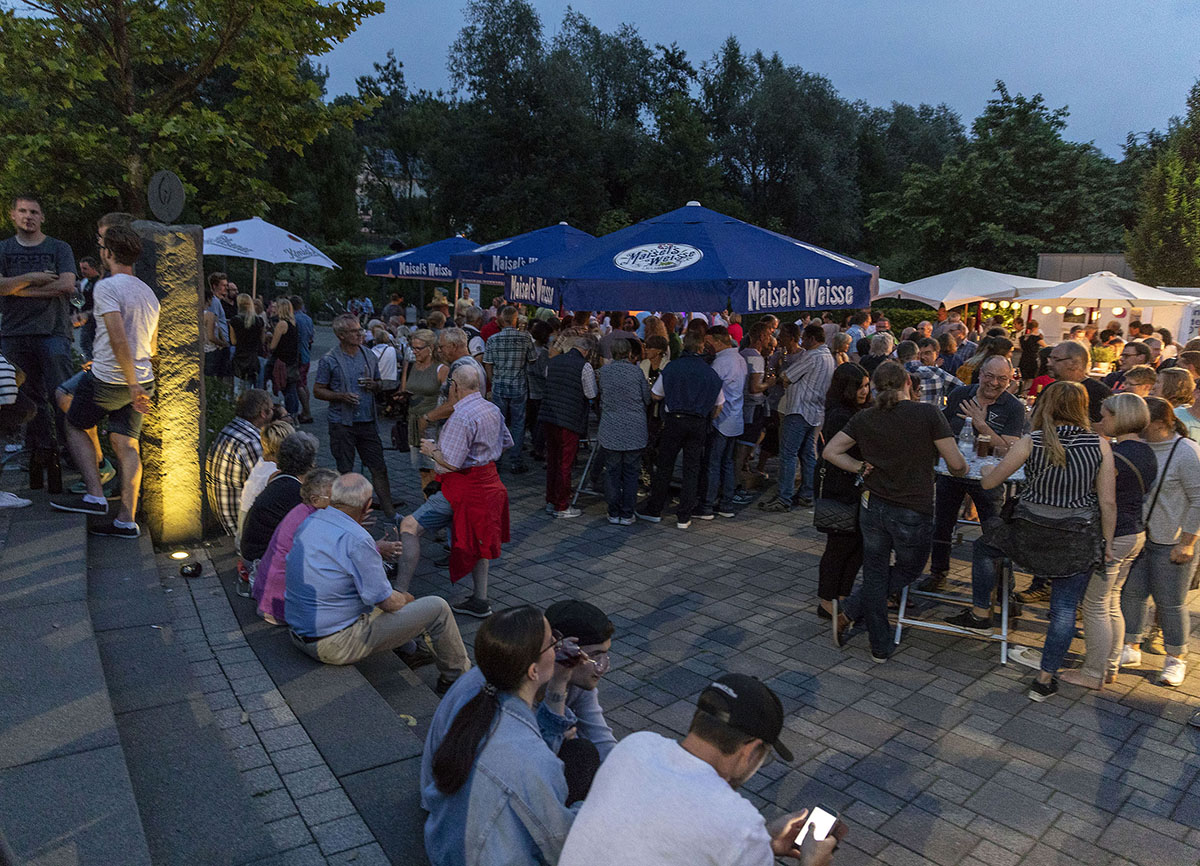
[[821, 819]]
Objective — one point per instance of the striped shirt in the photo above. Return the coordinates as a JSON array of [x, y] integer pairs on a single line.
[[809, 377], [1070, 486], [8, 382]]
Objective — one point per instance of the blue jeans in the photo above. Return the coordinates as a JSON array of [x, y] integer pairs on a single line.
[[797, 436], [46, 361], [949, 498], [1065, 595], [621, 481], [985, 560], [513, 410], [887, 528], [721, 478], [1153, 574]]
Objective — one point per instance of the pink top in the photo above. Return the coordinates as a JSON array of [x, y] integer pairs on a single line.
[[271, 576]]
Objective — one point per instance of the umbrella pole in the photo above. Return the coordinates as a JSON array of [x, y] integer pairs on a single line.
[[254, 281]]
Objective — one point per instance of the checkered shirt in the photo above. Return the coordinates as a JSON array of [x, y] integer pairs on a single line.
[[936, 383], [510, 353], [474, 434], [230, 458]]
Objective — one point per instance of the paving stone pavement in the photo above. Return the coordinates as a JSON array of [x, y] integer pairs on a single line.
[[935, 757], [302, 805]]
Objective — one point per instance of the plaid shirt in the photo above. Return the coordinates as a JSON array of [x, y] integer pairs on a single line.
[[510, 353], [230, 458], [936, 383], [474, 434]]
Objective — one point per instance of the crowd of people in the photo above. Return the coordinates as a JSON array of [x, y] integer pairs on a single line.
[[520, 765]]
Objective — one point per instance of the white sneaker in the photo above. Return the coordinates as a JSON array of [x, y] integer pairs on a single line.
[[11, 500], [1025, 655], [1173, 671], [615, 521], [570, 512], [1131, 657], [13, 447], [683, 524]]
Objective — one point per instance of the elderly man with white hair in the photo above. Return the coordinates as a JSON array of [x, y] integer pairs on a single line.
[[472, 499], [338, 601]]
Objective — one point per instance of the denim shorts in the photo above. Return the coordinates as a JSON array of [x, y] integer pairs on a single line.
[[95, 400], [435, 513]]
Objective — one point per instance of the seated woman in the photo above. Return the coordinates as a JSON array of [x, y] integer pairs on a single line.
[[272, 569], [297, 454], [490, 779], [272, 437]]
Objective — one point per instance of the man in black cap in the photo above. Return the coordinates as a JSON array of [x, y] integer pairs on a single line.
[[593, 632], [661, 801]]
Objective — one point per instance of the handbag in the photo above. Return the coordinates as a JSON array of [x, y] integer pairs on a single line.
[[833, 515], [1047, 547]]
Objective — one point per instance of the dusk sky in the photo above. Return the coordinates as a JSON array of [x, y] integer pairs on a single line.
[[1119, 66]]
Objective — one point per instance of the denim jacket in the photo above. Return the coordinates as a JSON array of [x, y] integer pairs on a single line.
[[511, 810]]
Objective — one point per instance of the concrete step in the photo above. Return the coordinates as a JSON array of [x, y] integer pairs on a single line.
[[193, 804], [372, 750], [66, 795]]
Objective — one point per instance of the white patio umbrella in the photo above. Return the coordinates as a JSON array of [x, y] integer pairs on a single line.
[[964, 286], [1103, 288], [257, 239]]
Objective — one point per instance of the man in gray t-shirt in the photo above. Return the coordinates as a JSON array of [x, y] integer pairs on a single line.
[[37, 276]]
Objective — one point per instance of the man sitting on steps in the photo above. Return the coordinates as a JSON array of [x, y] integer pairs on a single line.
[[338, 601]]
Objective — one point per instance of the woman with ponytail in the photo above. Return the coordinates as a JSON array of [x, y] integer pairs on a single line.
[[899, 439], [1066, 519], [490, 779]]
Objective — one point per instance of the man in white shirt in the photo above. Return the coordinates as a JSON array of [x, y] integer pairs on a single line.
[[119, 385], [658, 801], [717, 485]]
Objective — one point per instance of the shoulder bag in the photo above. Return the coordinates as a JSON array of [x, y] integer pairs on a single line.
[[830, 514]]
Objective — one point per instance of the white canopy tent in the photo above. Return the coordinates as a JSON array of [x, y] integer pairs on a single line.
[[1102, 289], [257, 239], [964, 286]]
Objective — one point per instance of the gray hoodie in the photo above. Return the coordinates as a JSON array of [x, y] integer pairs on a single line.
[[1177, 508]]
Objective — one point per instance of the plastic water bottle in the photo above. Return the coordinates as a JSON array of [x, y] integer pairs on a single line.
[[966, 439]]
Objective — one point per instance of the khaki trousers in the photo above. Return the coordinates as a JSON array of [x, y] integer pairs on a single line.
[[379, 630]]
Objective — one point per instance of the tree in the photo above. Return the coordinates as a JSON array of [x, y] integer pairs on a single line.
[[1016, 188], [786, 145], [1164, 245], [99, 95]]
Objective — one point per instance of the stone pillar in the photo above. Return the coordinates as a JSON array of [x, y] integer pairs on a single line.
[[173, 432]]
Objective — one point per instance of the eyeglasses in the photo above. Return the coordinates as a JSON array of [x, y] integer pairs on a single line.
[[992, 377], [600, 661], [556, 640], [417, 347]]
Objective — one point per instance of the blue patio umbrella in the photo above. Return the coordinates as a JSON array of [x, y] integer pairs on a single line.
[[428, 262], [490, 262], [693, 258]]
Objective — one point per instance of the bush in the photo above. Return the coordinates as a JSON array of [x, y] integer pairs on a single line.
[[219, 407]]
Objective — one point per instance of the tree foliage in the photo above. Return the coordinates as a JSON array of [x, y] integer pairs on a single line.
[[100, 95], [1164, 246], [593, 127], [1014, 189]]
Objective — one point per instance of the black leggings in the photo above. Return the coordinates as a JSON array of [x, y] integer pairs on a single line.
[[840, 563]]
